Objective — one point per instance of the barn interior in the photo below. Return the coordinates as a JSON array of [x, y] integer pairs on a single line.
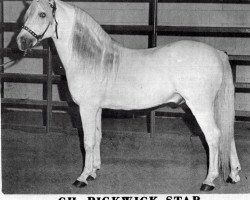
[[155, 151]]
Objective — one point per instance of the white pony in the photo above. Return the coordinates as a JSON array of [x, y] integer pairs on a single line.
[[103, 74]]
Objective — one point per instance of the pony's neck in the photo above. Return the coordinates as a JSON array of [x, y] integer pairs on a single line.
[[80, 36]]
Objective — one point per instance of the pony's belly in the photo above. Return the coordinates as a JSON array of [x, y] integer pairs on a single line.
[[140, 100]]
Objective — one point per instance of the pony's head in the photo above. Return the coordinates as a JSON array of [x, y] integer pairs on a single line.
[[39, 23]]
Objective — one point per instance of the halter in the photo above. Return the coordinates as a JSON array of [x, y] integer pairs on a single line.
[[39, 37]]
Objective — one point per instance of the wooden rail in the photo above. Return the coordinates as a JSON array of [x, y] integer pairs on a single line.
[[152, 30], [164, 1]]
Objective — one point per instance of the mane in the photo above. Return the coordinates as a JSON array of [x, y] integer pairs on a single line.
[[92, 47]]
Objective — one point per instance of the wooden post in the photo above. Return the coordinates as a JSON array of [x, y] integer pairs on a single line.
[[152, 42], [1, 46], [153, 22], [49, 91]]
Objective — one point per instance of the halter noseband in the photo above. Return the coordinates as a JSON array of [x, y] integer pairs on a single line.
[[39, 37]]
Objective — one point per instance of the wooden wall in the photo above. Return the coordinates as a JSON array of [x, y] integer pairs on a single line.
[[137, 14]]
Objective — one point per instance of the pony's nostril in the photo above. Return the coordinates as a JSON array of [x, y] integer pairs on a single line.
[[25, 43], [23, 40]]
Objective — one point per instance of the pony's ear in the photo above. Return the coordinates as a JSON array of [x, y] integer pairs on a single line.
[[51, 1], [27, 2]]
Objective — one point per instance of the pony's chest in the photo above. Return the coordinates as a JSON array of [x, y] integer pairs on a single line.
[[82, 88]]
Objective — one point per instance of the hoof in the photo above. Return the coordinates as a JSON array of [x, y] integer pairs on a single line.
[[206, 188], [230, 180], [90, 178], [79, 184]]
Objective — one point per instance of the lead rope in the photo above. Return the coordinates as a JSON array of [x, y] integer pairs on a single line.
[[4, 64]]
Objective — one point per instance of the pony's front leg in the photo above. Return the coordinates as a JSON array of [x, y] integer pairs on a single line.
[[98, 133], [88, 117], [98, 137]]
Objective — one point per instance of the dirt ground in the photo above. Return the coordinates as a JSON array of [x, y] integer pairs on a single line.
[[172, 161]]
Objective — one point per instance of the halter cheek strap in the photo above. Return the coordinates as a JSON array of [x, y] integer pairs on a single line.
[[53, 6]]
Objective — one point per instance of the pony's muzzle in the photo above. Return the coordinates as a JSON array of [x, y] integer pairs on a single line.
[[25, 42]]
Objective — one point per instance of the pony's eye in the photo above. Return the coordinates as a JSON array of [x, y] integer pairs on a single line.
[[42, 14]]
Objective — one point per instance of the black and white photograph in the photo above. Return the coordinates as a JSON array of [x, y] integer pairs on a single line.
[[125, 99]]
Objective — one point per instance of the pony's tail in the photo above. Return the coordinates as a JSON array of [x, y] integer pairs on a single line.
[[225, 114]]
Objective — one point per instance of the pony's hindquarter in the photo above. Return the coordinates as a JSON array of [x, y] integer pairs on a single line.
[[212, 104]]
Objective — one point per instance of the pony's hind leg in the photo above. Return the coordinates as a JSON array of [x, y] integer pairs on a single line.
[[234, 165], [88, 117], [204, 115], [98, 137]]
